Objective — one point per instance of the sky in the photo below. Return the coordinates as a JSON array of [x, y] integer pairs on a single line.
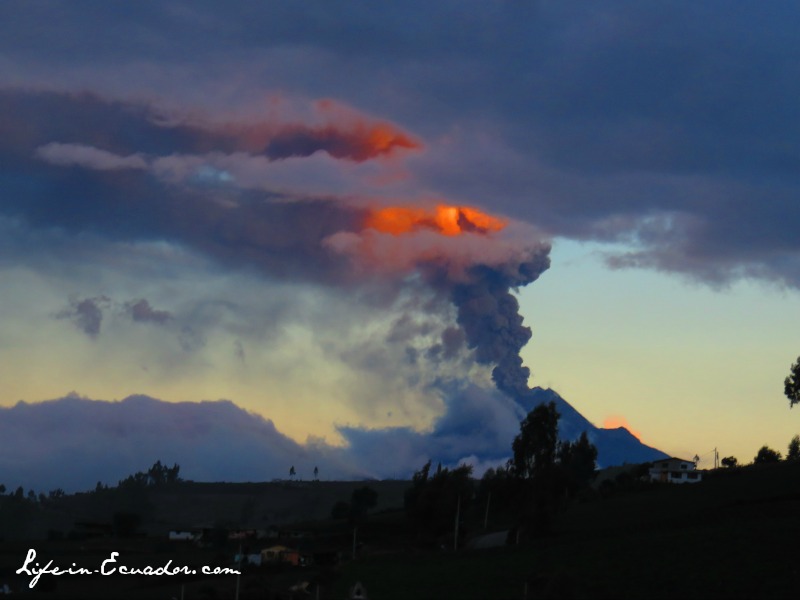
[[320, 231]]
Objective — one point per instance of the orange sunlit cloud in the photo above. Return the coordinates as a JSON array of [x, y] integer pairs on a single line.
[[448, 238], [614, 421], [331, 127], [356, 140], [444, 219], [302, 128]]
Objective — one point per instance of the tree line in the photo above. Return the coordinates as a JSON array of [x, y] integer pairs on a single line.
[[124, 505], [541, 478], [767, 455]]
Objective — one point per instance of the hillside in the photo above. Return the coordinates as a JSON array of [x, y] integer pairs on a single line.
[[190, 505], [732, 536]]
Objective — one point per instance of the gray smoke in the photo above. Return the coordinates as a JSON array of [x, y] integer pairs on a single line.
[[86, 314], [489, 315]]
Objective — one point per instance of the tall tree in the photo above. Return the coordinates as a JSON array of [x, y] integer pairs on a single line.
[[577, 460], [431, 501], [794, 449], [534, 466], [535, 447], [791, 385]]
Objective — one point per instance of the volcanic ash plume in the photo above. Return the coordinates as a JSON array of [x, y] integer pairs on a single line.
[[475, 259], [489, 315]]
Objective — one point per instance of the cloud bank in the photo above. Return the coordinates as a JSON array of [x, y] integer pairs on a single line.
[[74, 442]]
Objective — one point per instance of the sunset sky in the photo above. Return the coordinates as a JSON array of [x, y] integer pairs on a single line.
[[289, 206]]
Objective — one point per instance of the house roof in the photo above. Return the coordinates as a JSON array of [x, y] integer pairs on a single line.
[[277, 549]]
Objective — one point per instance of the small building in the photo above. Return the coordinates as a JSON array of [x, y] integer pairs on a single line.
[[251, 558], [182, 535], [92, 529], [282, 554], [675, 470], [273, 554], [271, 533], [242, 534]]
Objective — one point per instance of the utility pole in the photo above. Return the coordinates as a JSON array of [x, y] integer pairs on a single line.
[[355, 528], [458, 518], [238, 572]]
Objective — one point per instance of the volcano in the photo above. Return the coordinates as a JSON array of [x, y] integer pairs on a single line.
[[616, 446]]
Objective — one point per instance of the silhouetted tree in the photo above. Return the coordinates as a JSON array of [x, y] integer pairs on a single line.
[[534, 466], [137, 480], [363, 499], [18, 513], [791, 385], [546, 470], [160, 474], [431, 501], [292, 472], [156, 475], [316, 472], [766, 455], [730, 462], [498, 491], [577, 461], [535, 447], [793, 453]]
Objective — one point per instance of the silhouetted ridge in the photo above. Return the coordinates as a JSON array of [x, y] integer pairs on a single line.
[[614, 446]]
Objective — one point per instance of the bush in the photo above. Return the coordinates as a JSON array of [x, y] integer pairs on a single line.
[[767, 455]]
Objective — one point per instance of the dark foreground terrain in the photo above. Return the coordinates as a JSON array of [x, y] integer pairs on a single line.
[[735, 535]]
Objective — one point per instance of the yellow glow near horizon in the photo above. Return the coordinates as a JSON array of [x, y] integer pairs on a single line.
[[690, 367]]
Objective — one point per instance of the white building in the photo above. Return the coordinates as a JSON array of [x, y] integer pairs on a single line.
[[675, 470], [183, 536]]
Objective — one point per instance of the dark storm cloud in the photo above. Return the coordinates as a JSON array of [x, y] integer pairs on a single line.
[[629, 112], [86, 314], [612, 113], [198, 30], [282, 238], [141, 312], [31, 119]]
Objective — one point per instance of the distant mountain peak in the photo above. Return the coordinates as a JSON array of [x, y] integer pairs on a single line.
[[616, 446]]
